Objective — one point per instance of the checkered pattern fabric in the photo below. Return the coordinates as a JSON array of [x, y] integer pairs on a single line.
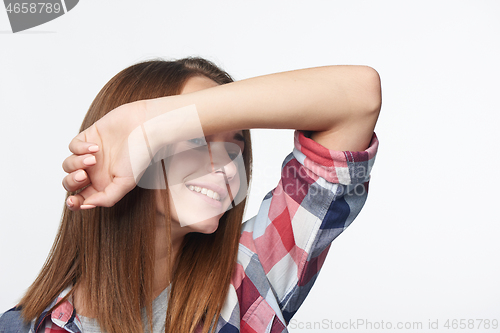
[[281, 249]]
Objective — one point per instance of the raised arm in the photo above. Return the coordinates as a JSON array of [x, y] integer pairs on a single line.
[[339, 104]]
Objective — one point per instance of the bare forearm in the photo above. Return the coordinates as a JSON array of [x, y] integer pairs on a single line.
[[339, 103]]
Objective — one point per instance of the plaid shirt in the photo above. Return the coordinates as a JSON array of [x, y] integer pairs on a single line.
[[281, 249]]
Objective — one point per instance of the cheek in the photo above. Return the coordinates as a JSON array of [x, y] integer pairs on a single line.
[[235, 185], [185, 164], [238, 184]]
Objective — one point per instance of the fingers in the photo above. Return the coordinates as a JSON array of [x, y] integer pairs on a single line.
[[79, 146], [113, 193], [90, 197], [77, 178], [75, 181], [75, 202], [76, 162]]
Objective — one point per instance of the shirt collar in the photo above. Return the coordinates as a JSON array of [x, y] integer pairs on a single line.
[[64, 315]]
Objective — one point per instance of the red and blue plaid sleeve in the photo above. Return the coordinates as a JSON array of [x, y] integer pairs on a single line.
[[320, 193]]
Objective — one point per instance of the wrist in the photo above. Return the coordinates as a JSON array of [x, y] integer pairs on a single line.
[[171, 127]]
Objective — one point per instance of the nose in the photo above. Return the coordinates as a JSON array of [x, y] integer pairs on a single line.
[[222, 159]]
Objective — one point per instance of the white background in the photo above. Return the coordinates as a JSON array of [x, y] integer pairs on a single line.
[[426, 245]]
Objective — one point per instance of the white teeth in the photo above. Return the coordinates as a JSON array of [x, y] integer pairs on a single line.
[[209, 193]]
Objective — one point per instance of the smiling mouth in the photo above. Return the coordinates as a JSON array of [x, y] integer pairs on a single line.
[[202, 190]]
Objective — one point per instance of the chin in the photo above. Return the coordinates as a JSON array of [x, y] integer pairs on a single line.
[[205, 227]]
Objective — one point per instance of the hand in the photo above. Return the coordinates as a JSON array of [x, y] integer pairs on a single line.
[[101, 159]]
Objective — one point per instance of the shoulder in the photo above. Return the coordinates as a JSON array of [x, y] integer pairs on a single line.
[[12, 322]]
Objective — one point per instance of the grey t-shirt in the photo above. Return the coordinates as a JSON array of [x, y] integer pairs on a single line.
[[90, 325]]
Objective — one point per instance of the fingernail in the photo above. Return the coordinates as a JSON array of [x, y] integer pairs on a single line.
[[87, 206], [80, 176], [69, 203], [89, 160], [93, 149]]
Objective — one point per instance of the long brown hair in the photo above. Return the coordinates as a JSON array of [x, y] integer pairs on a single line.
[[110, 251]]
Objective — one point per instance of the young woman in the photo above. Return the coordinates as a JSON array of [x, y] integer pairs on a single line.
[[151, 238]]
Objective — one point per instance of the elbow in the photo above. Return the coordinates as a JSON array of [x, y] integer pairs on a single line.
[[372, 92]]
